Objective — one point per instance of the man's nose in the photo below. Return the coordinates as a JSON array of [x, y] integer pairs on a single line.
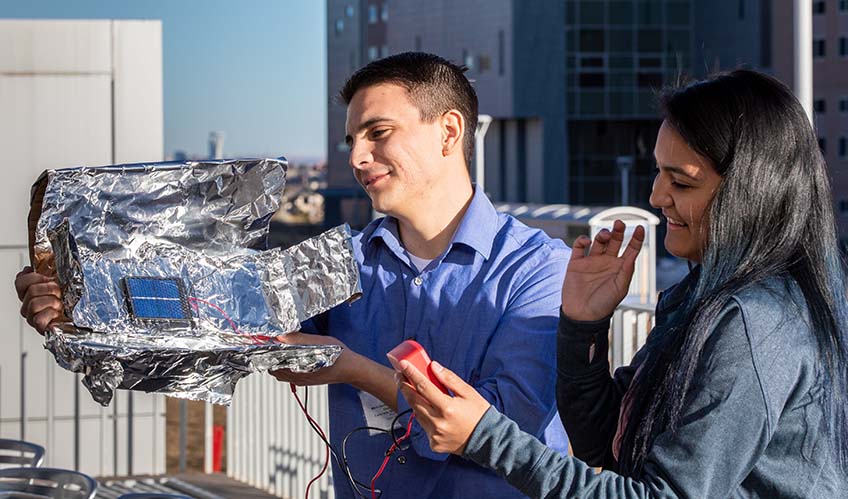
[[360, 154]]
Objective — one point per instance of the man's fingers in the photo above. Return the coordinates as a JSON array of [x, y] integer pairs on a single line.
[[27, 278], [32, 307], [616, 238]]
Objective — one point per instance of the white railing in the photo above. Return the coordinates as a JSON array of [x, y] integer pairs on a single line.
[[270, 445]]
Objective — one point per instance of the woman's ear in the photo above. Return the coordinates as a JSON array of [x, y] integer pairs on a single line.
[[453, 128]]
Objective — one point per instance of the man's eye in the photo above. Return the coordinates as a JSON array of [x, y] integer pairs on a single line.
[[378, 133]]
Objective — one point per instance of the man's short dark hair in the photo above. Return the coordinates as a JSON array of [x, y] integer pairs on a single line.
[[435, 86]]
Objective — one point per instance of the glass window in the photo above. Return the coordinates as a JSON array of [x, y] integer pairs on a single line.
[[372, 14], [591, 80], [819, 48], [384, 11], [570, 62], [741, 10], [621, 62], [592, 62], [622, 79], [571, 102], [819, 105], [843, 104], [843, 46], [569, 13], [819, 7], [591, 40], [373, 53], [570, 40], [650, 62], [843, 5], [649, 13], [823, 145], [384, 51], [679, 40], [591, 13], [677, 13], [649, 79], [592, 102], [843, 148], [621, 102], [621, 13], [349, 11], [649, 40], [467, 59], [621, 40], [646, 102], [339, 25]]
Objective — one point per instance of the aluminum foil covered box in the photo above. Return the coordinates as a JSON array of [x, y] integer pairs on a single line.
[[166, 283]]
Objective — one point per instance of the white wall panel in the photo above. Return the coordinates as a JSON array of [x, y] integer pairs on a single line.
[[54, 46]]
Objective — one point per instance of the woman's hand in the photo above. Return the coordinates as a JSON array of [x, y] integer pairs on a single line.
[[595, 283], [448, 421]]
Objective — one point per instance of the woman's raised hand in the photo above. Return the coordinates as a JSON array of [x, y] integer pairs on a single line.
[[597, 281]]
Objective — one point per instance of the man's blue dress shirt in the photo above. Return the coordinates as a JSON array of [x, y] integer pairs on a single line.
[[487, 309]]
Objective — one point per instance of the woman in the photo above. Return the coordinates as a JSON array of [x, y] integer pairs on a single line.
[[740, 390]]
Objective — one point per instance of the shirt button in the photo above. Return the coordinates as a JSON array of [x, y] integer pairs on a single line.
[[418, 281]]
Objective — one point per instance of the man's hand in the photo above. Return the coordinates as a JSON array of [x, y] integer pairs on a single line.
[[41, 298], [351, 368], [448, 421], [340, 372], [595, 283]]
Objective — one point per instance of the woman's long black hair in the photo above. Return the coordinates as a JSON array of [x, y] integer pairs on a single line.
[[771, 216]]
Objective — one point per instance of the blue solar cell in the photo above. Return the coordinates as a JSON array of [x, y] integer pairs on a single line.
[[156, 298]]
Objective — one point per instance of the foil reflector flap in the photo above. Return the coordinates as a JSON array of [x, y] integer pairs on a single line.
[[165, 280]]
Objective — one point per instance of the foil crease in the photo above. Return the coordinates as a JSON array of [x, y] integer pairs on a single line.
[[205, 224]]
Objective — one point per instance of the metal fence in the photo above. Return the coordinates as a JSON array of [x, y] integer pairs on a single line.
[[270, 444]]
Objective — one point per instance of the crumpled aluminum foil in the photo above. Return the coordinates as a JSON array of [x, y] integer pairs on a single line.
[[203, 223]]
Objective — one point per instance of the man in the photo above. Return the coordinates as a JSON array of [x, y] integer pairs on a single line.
[[479, 290]]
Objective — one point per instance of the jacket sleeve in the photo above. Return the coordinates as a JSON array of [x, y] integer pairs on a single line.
[[724, 429], [588, 398]]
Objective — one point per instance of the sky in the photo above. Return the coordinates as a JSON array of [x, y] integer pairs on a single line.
[[254, 69]]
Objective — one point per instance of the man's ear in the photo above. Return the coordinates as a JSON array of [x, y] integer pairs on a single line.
[[453, 128]]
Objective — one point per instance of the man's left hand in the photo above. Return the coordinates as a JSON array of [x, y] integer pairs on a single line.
[[342, 371]]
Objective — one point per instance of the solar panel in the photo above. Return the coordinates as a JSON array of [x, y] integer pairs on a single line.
[[156, 298]]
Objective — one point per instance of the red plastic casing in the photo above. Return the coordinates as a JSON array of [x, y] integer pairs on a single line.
[[412, 352]]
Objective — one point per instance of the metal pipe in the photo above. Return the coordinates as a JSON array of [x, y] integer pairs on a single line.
[[183, 411], [207, 437], [130, 410], [803, 38], [483, 122], [23, 395], [76, 423]]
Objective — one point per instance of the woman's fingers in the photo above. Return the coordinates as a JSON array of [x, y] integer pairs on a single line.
[[599, 245], [425, 388], [616, 238], [633, 248], [451, 381], [578, 249]]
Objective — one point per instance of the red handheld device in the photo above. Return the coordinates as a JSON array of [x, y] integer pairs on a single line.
[[412, 352]]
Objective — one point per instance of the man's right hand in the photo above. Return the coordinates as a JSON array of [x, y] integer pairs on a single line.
[[41, 298]]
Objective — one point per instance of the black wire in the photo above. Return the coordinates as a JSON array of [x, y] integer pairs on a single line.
[[343, 466]]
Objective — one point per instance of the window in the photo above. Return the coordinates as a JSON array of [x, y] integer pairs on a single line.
[[500, 52], [843, 205], [349, 11], [819, 6], [818, 48], [339, 25], [741, 10], [591, 40], [843, 46], [592, 79], [384, 51], [372, 14], [843, 104], [843, 5], [373, 53], [819, 105], [649, 40], [384, 11], [823, 145], [649, 80], [843, 148]]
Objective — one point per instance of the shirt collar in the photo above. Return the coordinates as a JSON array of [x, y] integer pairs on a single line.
[[476, 230]]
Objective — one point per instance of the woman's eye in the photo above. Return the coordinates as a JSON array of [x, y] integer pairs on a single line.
[[678, 185]]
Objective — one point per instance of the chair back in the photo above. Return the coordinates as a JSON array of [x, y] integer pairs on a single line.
[[20, 454], [48, 483]]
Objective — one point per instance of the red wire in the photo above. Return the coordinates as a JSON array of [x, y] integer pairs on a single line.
[[219, 309], [320, 431], [389, 453]]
